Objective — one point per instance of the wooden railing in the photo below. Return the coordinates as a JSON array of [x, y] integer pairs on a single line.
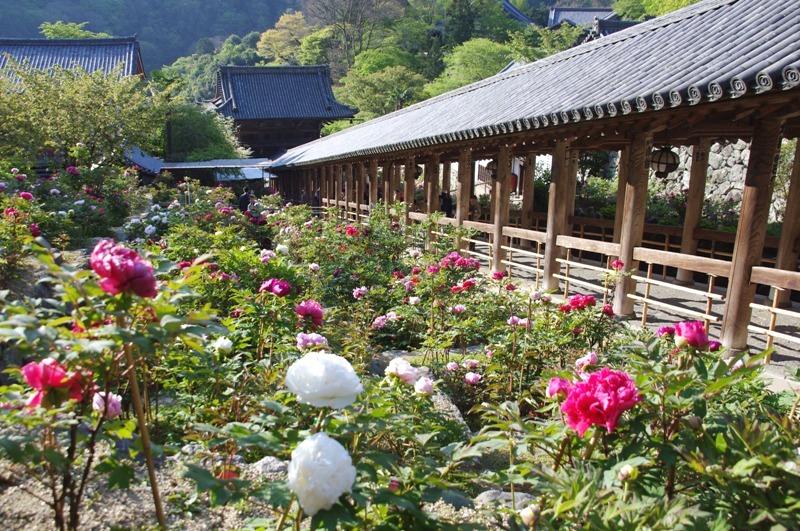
[[533, 255], [711, 267], [606, 250], [779, 280]]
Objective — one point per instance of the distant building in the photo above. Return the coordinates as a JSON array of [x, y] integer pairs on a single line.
[[277, 107], [596, 22], [90, 55]]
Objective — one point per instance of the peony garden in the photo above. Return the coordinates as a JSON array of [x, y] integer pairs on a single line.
[[307, 372]]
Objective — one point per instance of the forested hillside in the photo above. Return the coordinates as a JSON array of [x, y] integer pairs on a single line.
[[167, 29]]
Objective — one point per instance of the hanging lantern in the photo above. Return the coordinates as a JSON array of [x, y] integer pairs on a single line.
[[664, 161], [492, 167]]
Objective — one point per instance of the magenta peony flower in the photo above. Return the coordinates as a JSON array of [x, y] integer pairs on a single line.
[[27, 196], [608, 310], [498, 275], [122, 270], [72, 170], [691, 333], [35, 231], [114, 404], [281, 288], [310, 309], [433, 269], [351, 231], [472, 378], [618, 265], [668, 331], [714, 346], [52, 383], [559, 387], [511, 287], [600, 400], [359, 293]]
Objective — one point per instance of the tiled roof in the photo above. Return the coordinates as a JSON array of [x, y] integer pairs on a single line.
[[89, 54], [604, 27], [713, 50], [278, 92], [512, 11], [578, 16]]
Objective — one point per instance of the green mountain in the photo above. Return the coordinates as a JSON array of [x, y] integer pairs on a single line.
[[167, 29]]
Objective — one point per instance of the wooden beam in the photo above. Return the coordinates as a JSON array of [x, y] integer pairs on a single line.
[[751, 231], [408, 186], [502, 193], [432, 184], [373, 182], [790, 229], [694, 206], [528, 181], [633, 215], [556, 213], [622, 185]]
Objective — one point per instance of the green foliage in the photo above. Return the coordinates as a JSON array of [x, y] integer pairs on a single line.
[[471, 61], [382, 91], [536, 42], [199, 135], [281, 45], [69, 30]]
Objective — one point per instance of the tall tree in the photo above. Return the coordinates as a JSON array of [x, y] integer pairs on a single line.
[[381, 91], [471, 61], [282, 43], [354, 22], [69, 30]]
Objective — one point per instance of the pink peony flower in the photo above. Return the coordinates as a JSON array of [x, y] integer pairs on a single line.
[[470, 364], [314, 267], [513, 320], [691, 333], [472, 378], [608, 311], [559, 388], [306, 341], [351, 230], [281, 288], [52, 383], [358, 293], [600, 400], [114, 408], [122, 270], [403, 370], [452, 366], [458, 309], [585, 361], [27, 196], [310, 309], [432, 269], [424, 386], [668, 331], [618, 265]]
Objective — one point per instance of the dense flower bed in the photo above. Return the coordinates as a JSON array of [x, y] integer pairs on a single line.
[[263, 327]]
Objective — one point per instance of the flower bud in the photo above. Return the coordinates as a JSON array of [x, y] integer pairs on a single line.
[[695, 422], [530, 515], [628, 473]]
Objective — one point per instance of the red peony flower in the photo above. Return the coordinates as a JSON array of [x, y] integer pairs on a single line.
[[27, 196], [600, 400], [121, 270], [52, 383], [310, 309], [34, 228]]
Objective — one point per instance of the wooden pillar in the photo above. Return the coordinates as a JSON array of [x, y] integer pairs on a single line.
[[751, 232], [622, 185], [432, 184], [361, 186], [391, 178], [408, 186], [633, 217], [373, 182], [446, 168], [502, 198], [694, 206], [528, 177], [572, 176], [464, 187], [790, 230], [556, 213]]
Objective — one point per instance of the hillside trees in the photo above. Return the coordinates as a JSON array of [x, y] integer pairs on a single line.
[[282, 44], [471, 61]]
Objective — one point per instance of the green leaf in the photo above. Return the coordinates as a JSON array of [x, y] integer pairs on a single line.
[[721, 444], [276, 495]]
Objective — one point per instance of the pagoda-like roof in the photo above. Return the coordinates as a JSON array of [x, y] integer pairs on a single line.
[[578, 16], [512, 11], [712, 51], [278, 92], [90, 55]]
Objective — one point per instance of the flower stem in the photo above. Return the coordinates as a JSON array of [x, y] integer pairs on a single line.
[[285, 513], [590, 449]]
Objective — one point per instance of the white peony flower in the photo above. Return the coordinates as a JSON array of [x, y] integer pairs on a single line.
[[135, 221], [320, 471], [55, 191], [149, 230], [323, 379], [223, 345], [282, 249], [62, 213], [79, 202]]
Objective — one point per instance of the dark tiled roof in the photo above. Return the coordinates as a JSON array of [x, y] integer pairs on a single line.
[[578, 16], [89, 54], [512, 11], [278, 92], [716, 49]]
